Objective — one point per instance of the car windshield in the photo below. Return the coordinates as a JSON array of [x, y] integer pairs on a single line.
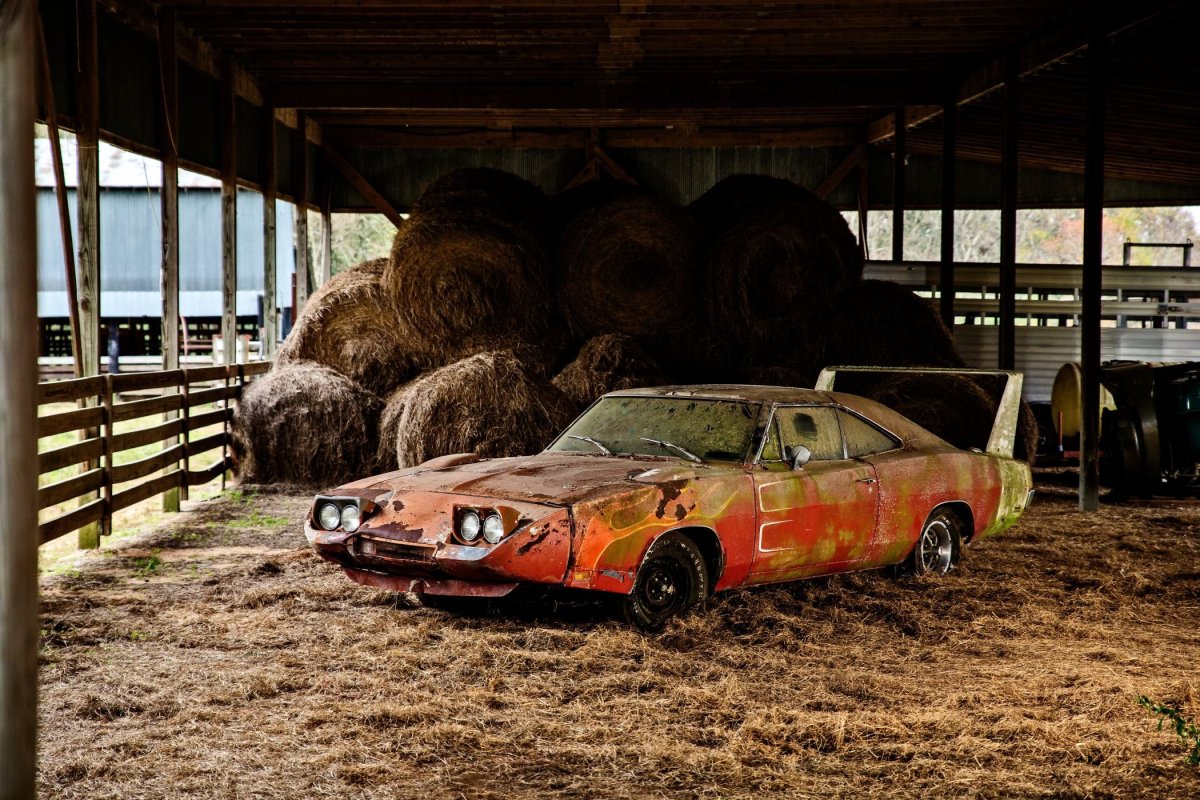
[[712, 430]]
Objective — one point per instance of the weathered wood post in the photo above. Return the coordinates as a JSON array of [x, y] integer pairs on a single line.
[[168, 73], [18, 410]]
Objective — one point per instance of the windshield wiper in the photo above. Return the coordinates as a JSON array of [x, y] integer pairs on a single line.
[[669, 446], [590, 440]]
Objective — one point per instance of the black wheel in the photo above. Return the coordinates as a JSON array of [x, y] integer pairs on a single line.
[[672, 579], [937, 549]]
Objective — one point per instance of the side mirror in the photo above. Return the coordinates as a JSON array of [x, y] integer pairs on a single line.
[[798, 456]]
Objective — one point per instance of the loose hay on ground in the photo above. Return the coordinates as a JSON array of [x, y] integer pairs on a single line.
[[273, 676], [305, 423], [490, 404]]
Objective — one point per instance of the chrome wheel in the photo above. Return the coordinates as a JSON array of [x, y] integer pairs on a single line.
[[937, 548]]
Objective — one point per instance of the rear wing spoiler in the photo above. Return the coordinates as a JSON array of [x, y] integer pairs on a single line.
[[1004, 427]]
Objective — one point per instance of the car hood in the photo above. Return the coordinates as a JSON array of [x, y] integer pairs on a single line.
[[547, 478]]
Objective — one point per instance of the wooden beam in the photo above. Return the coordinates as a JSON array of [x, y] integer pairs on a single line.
[[325, 264], [1008, 219], [1093, 240], [300, 170], [573, 139], [900, 153], [18, 410], [749, 100], [60, 194], [87, 123], [168, 74], [949, 145], [364, 187], [884, 128], [270, 331], [227, 114], [841, 171], [87, 198]]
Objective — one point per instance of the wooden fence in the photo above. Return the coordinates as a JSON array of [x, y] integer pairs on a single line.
[[177, 411]]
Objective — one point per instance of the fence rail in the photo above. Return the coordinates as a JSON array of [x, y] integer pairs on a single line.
[[177, 402]]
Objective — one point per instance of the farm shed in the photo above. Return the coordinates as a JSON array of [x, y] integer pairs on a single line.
[[876, 106]]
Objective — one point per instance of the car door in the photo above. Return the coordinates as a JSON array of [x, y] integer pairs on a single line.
[[819, 518], [902, 479]]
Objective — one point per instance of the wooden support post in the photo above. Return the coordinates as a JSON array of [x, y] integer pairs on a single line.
[[301, 222], [18, 408], [87, 133], [898, 188], [228, 121], [1008, 218], [949, 145], [270, 330], [1093, 241], [168, 148], [60, 194], [325, 269], [862, 196]]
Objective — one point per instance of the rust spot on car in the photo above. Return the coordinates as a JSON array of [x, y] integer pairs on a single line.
[[397, 505], [680, 511], [670, 491], [400, 532]]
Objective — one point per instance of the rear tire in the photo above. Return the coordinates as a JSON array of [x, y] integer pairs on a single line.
[[672, 580], [937, 549]]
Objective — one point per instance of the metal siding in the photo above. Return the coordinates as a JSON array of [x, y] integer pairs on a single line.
[[131, 253], [1042, 351]]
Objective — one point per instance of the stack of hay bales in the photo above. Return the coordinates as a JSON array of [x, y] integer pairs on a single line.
[[500, 314]]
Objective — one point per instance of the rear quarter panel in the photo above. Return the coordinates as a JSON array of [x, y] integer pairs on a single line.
[[914, 483]]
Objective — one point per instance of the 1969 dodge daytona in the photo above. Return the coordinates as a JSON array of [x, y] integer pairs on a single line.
[[662, 496]]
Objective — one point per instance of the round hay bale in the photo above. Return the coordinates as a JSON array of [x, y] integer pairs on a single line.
[[570, 203], [349, 325], [629, 266], [606, 364], [389, 423], [953, 407], [773, 276], [305, 423], [491, 197], [461, 286], [489, 404], [883, 324], [736, 195]]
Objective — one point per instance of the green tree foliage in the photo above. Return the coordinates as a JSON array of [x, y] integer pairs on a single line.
[[1044, 235], [360, 237]]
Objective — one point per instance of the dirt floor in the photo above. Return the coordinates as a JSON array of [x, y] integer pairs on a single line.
[[217, 657]]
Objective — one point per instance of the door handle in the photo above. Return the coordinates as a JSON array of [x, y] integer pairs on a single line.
[[864, 480]]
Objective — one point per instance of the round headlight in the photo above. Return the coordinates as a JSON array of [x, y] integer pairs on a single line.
[[469, 528], [328, 516], [493, 528], [351, 518]]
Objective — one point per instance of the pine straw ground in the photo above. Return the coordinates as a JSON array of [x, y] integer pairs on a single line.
[[218, 658]]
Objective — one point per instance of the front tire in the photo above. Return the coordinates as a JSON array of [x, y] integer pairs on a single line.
[[937, 548], [671, 580]]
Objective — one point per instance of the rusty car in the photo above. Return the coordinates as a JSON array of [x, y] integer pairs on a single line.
[[661, 496]]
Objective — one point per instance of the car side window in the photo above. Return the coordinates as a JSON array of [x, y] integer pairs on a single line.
[[771, 450], [863, 439], [814, 427]]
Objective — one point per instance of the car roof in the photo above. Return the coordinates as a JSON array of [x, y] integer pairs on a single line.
[[912, 434]]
